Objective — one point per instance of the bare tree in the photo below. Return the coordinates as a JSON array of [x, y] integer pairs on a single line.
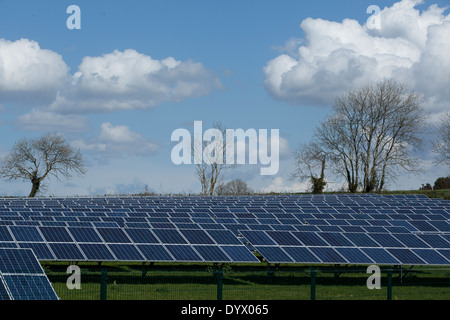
[[210, 160], [234, 187], [36, 159], [371, 134], [310, 165], [442, 145]]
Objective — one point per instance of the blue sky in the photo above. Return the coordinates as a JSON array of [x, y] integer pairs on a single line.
[[212, 61]]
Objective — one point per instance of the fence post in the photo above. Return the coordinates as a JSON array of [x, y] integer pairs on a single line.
[[313, 284], [389, 284], [103, 284], [219, 283]]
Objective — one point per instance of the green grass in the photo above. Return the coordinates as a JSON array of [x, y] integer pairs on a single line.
[[246, 282]]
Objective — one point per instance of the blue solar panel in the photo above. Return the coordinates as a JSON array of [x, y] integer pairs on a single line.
[[406, 256], [301, 255], [435, 241], [30, 287], [354, 255], [96, 252], [5, 235], [26, 234], [197, 236], [411, 240], [258, 238], [223, 237], [431, 257], [386, 240], [273, 254], [40, 249], [66, 251], [310, 239], [335, 239], [212, 253], [55, 234], [22, 277], [19, 261], [81, 234], [141, 235], [239, 254], [183, 253], [155, 253], [328, 255], [284, 238], [171, 236], [113, 235], [4, 295], [126, 252]]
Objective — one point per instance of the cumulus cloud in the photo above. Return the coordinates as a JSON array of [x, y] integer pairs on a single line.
[[130, 80], [117, 141], [278, 185], [335, 57], [29, 72], [40, 120], [120, 80]]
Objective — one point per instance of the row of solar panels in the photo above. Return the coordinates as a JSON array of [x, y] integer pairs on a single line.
[[369, 224], [22, 277], [116, 244], [369, 200], [345, 213], [182, 237]]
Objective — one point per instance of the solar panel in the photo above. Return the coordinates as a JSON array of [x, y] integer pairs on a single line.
[[26, 234], [155, 253], [113, 235], [169, 236], [212, 253], [239, 254], [139, 235], [406, 256], [431, 257], [125, 252], [343, 225], [354, 255], [273, 254], [96, 252], [283, 238], [258, 238], [197, 236], [66, 251], [22, 277], [184, 253], [328, 255], [301, 255], [310, 239]]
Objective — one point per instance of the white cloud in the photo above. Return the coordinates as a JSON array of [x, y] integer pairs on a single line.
[[117, 141], [119, 80], [278, 185], [39, 120], [411, 47], [130, 80], [29, 72]]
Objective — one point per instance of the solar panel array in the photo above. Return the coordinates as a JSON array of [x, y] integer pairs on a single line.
[[22, 277], [337, 229]]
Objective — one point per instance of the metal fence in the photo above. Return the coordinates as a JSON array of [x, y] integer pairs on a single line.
[[228, 282]]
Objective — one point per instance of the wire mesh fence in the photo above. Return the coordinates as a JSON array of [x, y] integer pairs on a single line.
[[228, 282]]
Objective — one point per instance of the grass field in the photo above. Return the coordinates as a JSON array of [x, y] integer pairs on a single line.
[[246, 282]]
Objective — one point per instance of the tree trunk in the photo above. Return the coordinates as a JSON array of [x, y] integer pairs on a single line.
[[34, 189]]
